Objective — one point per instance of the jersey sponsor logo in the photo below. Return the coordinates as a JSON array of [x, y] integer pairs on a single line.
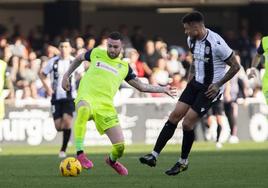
[[201, 58], [106, 67], [207, 50]]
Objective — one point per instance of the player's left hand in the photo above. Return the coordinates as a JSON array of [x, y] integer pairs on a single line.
[[252, 73], [171, 91], [65, 83], [212, 91]]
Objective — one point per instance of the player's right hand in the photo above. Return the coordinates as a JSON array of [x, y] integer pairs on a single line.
[[171, 91], [65, 84], [252, 73], [49, 92]]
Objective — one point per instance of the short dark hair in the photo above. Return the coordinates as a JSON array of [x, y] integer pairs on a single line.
[[194, 16], [65, 40], [115, 35]]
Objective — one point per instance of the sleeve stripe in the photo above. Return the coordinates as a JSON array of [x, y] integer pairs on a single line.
[[87, 55], [229, 57]]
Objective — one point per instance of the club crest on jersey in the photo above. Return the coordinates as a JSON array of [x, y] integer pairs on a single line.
[[119, 65], [192, 45], [106, 67], [207, 50]]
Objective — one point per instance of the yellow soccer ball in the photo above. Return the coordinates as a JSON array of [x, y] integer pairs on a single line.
[[70, 166]]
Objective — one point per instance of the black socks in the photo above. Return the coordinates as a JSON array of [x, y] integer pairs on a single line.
[[66, 138], [187, 142], [218, 132], [165, 134]]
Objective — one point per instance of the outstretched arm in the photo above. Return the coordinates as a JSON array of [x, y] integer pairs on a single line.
[[191, 72], [45, 83], [139, 85], [75, 63]]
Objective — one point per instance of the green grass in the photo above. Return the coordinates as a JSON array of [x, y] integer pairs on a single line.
[[242, 165]]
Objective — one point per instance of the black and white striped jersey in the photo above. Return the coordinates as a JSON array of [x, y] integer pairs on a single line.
[[56, 67], [209, 55]]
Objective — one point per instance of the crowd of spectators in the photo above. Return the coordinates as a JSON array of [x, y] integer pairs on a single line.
[[152, 59]]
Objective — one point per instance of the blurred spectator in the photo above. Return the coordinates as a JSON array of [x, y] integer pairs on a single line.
[[138, 66], [150, 55], [3, 66], [103, 42], [231, 39], [3, 44], [161, 47], [135, 64], [178, 82], [123, 29], [16, 31], [35, 38], [90, 43], [89, 31], [138, 39], [79, 46], [21, 80], [174, 65], [51, 51], [31, 73], [244, 47], [256, 40], [18, 48], [160, 73]]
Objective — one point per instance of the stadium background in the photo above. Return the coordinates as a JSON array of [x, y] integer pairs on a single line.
[[159, 20]]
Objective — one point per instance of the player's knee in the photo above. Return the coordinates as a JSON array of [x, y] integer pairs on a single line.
[[174, 118], [83, 110], [83, 114], [187, 125], [119, 148]]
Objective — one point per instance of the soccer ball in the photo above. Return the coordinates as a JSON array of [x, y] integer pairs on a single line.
[[70, 166]]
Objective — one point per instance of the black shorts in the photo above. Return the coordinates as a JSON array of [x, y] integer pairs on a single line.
[[216, 108], [60, 107], [194, 95]]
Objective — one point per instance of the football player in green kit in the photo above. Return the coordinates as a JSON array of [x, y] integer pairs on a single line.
[[94, 99]]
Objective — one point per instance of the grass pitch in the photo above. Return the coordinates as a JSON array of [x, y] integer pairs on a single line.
[[241, 165]]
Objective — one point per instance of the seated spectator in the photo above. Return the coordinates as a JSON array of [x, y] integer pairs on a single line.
[[160, 73]]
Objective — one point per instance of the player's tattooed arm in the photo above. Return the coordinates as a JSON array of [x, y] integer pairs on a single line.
[[75, 63], [139, 85], [234, 68], [214, 88], [191, 71]]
